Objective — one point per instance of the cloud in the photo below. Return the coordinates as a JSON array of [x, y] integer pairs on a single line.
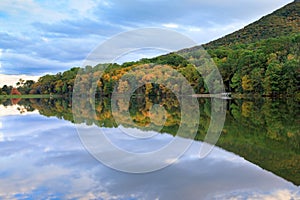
[[32, 65], [139, 54], [13, 79], [281, 194], [191, 12], [78, 28], [45, 54], [170, 25], [10, 41], [82, 7], [32, 10], [51, 36]]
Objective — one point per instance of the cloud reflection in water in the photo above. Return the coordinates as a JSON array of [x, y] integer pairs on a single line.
[[43, 157]]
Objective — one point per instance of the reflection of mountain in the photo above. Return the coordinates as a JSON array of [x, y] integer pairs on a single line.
[[267, 135], [264, 132]]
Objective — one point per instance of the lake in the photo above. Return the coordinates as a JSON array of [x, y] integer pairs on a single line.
[[42, 155]]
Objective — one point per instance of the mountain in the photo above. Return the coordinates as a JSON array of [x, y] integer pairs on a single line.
[[263, 58], [281, 22]]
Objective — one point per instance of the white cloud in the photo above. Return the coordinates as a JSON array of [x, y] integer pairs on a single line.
[[45, 39], [281, 194], [195, 29], [27, 183], [139, 54], [13, 79], [170, 25]]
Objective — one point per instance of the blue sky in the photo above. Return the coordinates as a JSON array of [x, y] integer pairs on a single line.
[[38, 37]]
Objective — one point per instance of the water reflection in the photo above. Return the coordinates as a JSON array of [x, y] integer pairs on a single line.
[[50, 162], [42, 157], [263, 131]]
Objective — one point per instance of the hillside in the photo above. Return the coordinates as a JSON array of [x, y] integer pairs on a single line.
[[281, 22], [262, 58]]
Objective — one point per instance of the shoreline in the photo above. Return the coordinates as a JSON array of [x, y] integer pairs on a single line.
[[221, 96], [30, 96]]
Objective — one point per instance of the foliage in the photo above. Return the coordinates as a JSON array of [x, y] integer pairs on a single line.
[[262, 58]]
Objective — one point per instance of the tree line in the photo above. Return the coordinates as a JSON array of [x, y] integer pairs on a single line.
[[267, 67]]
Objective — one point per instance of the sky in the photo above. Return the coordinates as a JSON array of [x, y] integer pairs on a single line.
[[44, 36]]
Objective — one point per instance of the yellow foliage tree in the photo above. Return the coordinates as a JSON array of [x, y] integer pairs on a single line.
[[247, 84]]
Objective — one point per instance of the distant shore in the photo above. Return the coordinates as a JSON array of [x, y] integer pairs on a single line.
[[29, 96], [222, 96]]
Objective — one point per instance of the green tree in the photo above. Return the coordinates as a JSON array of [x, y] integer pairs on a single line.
[[6, 89], [257, 76], [236, 82], [273, 78]]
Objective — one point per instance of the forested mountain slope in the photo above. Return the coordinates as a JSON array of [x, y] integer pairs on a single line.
[[262, 58], [282, 22]]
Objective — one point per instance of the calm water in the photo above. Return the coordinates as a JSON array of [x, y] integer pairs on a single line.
[[42, 157]]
